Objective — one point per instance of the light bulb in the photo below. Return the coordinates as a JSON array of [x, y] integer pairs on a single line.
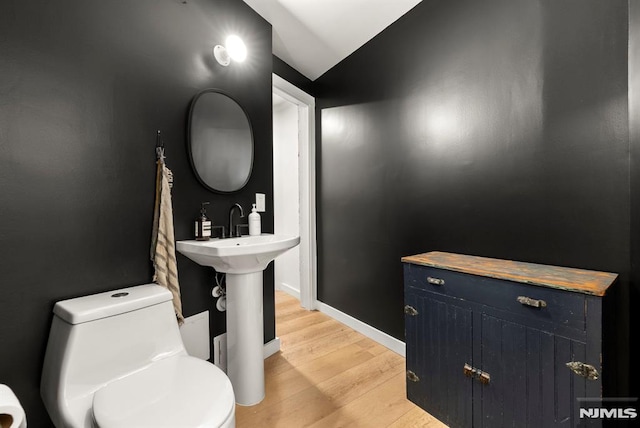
[[236, 48]]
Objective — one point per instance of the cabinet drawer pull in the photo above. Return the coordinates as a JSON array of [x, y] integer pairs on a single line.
[[584, 370], [473, 372], [412, 376], [435, 281], [532, 302], [410, 310]]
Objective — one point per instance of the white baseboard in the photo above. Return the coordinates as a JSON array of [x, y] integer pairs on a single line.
[[271, 347], [289, 290], [373, 333]]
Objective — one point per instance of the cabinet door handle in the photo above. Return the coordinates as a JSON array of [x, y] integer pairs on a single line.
[[412, 376], [473, 372], [410, 310], [528, 301], [484, 378], [584, 370], [468, 370], [435, 281]]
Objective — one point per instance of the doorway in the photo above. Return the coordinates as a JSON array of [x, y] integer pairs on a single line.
[[286, 191], [294, 189]]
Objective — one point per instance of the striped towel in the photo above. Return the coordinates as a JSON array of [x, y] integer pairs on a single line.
[[163, 249]]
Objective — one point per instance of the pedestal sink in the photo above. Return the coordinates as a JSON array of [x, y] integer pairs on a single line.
[[242, 260]]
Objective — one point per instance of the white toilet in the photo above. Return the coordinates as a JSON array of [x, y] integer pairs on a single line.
[[116, 359]]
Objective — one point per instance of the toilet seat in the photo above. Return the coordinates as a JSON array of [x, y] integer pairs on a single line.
[[174, 392]]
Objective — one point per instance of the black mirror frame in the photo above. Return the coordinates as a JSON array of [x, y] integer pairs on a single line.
[[191, 161]]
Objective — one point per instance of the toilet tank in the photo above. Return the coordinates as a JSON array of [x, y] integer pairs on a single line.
[[99, 338]]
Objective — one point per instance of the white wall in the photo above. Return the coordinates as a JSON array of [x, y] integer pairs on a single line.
[[286, 197]]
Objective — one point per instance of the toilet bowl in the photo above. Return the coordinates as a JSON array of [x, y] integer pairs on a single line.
[[117, 360]]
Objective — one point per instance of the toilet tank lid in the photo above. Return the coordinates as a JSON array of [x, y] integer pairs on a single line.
[[96, 306]]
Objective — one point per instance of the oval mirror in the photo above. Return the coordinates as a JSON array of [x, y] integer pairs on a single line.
[[220, 141]]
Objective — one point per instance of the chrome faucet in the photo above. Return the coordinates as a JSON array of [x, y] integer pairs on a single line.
[[231, 210]]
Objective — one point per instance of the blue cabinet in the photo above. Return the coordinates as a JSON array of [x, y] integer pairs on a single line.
[[492, 343]]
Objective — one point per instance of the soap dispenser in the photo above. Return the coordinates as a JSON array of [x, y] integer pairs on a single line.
[[254, 222], [203, 225]]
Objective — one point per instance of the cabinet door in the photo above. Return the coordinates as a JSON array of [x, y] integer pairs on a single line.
[[438, 344], [530, 384]]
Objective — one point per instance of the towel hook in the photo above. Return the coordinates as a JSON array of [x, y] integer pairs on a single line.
[[159, 146]]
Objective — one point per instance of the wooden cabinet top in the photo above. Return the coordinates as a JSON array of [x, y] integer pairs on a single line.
[[577, 280]]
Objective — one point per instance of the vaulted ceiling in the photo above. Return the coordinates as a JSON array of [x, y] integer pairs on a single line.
[[314, 35]]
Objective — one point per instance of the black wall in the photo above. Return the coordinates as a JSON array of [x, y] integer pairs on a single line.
[[84, 86], [495, 128], [292, 75]]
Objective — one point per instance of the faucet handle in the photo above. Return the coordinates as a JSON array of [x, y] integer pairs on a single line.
[[222, 231], [238, 226]]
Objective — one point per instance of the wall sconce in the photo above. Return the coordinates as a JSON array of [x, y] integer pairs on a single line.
[[233, 49]]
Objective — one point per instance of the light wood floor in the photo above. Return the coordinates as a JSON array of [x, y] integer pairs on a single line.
[[328, 375]]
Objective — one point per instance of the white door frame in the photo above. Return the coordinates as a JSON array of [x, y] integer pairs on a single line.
[[307, 176]]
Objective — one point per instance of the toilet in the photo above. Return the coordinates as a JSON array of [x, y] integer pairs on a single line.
[[117, 360]]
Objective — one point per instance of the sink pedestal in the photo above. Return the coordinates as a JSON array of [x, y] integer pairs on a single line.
[[242, 259], [245, 337]]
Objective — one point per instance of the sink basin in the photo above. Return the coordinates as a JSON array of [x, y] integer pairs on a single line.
[[245, 254]]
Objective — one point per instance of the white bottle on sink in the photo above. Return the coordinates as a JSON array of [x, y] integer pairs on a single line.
[[255, 225]]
